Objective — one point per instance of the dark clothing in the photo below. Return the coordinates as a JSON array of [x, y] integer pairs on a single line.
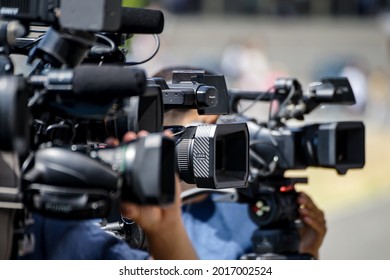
[[82, 240], [218, 231]]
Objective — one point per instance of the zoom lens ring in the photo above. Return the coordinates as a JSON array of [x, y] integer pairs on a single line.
[[183, 160]]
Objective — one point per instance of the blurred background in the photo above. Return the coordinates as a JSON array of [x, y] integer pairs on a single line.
[[252, 42]]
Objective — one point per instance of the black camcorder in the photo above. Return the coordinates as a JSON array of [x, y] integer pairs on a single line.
[[205, 154], [337, 145], [54, 119], [80, 91], [66, 103], [276, 147]]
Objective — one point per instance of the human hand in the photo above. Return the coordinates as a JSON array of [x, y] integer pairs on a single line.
[[314, 225], [163, 226], [151, 217]]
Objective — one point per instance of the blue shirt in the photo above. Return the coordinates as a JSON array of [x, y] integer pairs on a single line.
[[219, 230], [81, 240]]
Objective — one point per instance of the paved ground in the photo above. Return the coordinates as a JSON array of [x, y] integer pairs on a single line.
[[360, 232]]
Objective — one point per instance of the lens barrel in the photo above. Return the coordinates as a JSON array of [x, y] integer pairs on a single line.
[[214, 156]]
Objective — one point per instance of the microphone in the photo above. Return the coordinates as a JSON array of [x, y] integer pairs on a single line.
[[109, 16], [92, 81], [95, 81], [141, 21]]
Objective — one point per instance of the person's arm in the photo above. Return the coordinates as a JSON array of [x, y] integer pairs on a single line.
[[163, 226], [314, 229], [164, 229]]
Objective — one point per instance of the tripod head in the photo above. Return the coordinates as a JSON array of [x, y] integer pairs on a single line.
[[272, 205]]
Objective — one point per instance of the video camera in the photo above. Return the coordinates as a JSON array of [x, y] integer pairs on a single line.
[[64, 103], [276, 147], [81, 91], [210, 156], [54, 118], [204, 153]]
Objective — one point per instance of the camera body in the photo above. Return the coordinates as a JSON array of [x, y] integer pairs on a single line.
[[93, 15], [276, 147], [337, 145]]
